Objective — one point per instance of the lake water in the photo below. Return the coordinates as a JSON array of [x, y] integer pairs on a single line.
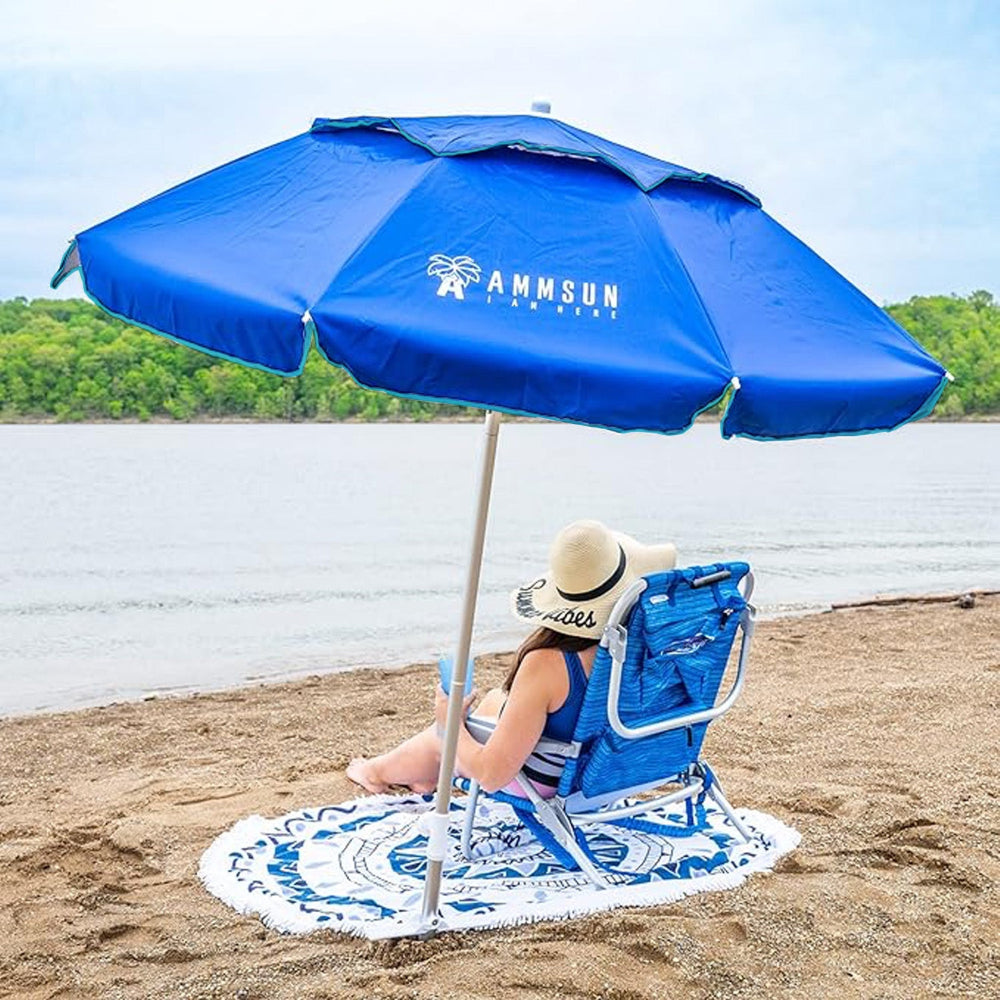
[[138, 559]]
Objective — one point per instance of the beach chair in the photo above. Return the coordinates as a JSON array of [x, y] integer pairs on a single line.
[[652, 692]]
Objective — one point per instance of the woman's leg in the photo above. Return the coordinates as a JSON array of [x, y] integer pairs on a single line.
[[414, 762]]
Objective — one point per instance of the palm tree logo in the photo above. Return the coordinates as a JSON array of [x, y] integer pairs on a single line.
[[454, 273]]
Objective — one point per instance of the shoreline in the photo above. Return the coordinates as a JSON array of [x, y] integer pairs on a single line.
[[852, 727], [297, 676], [470, 416]]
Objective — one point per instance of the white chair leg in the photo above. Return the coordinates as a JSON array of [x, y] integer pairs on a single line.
[[719, 798], [470, 817], [561, 827]]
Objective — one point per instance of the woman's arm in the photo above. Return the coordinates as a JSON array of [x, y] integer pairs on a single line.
[[541, 686]]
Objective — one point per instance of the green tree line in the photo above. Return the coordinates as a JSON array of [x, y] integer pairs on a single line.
[[964, 335], [67, 360]]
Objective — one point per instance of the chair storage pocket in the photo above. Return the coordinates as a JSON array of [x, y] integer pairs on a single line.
[[697, 650], [661, 689], [669, 682], [694, 677], [683, 638]]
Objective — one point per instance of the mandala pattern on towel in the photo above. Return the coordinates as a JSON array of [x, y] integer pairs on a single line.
[[359, 867]]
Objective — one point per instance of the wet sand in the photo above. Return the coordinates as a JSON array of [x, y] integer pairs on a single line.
[[874, 731]]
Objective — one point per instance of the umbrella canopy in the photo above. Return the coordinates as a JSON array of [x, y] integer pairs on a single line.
[[514, 263]]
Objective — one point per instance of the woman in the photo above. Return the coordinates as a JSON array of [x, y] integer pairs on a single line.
[[589, 568]]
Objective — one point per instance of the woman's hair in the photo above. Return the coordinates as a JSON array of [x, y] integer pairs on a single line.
[[545, 638]]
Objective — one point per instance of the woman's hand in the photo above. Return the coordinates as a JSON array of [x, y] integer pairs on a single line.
[[441, 705]]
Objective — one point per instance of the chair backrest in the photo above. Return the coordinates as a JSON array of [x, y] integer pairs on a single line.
[[680, 633]]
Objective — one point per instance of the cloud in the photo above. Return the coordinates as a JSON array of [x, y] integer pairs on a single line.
[[845, 120]]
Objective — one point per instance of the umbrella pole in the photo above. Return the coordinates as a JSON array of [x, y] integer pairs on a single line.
[[437, 840]]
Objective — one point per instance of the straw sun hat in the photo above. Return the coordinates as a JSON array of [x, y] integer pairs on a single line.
[[589, 568]]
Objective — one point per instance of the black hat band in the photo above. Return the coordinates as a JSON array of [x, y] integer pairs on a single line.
[[601, 589]]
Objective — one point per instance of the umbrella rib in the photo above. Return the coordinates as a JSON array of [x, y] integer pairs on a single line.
[[374, 231], [694, 290]]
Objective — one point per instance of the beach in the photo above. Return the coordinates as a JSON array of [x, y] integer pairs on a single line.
[[872, 730]]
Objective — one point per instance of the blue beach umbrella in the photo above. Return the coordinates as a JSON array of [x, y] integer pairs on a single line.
[[517, 264]]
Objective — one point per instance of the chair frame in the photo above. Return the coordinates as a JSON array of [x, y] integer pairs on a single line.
[[558, 815]]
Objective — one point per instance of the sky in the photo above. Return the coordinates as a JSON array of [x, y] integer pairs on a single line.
[[870, 129]]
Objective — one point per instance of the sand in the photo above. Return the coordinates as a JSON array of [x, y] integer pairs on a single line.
[[874, 731]]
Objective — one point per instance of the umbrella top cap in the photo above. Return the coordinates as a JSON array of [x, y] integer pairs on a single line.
[[461, 135]]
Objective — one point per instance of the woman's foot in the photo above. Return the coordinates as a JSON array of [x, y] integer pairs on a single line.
[[364, 773]]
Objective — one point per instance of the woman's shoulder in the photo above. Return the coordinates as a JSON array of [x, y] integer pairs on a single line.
[[542, 659], [544, 669]]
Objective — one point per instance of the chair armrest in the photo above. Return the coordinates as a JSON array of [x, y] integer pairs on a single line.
[[567, 750], [482, 729]]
